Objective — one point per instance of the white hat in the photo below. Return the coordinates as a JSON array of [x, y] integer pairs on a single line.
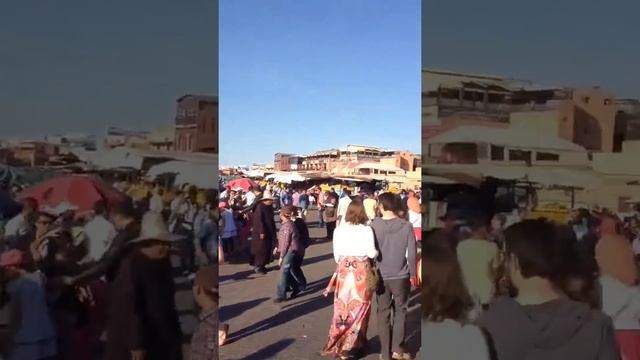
[[267, 195], [153, 227]]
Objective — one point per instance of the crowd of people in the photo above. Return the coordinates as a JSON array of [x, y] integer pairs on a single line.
[[375, 237], [375, 254], [513, 287], [101, 286]]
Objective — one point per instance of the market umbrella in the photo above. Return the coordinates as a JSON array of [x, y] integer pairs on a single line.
[[79, 190], [244, 183]]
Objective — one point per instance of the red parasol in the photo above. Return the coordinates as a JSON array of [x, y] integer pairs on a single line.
[[244, 183], [79, 190]]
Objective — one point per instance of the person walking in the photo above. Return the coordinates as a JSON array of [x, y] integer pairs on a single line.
[[143, 321], [304, 203], [290, 248], [330, 215], [305, 241], [353, 250], [343, 204], [263, 233], [397, 264], [229, 229], [322, 199]]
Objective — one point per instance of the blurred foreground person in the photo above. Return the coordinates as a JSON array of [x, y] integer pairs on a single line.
[[143, 321], [541, 322], [204, 343], [31, 330], [446, 305]]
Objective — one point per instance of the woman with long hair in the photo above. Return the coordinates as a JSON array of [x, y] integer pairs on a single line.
[[353, 250], [446, 305]]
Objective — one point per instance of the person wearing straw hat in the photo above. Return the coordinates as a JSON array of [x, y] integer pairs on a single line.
[[264, 233], [143, 321]]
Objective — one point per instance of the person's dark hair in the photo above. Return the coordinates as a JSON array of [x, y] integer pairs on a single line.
[[478, 219], [124, 209], [356, 213], [211, 197], [538, 246], [389, 201], [99, 207], [444, 295], [575, 272], [347, 192]]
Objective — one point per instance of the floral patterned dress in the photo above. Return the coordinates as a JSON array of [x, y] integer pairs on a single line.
[[351, 307]]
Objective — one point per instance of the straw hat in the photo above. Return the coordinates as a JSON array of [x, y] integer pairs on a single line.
[[267, 196], [153, 227]]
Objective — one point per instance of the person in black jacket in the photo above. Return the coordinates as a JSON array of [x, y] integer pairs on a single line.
[[143, 322], [125, 220]]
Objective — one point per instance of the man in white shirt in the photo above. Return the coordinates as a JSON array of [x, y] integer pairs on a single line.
[[343, 204], [250, 197], [99, 232], [22, 223]]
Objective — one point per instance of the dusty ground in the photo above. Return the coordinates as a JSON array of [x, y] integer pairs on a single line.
[[294, 330]]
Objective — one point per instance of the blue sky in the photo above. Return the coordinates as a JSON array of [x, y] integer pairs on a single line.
[[552, 42], [80, 66], [304, 75]]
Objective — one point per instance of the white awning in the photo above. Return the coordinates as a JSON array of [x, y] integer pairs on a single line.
[[514, 138]]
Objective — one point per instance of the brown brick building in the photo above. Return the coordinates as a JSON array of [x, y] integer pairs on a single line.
[[196, 124]]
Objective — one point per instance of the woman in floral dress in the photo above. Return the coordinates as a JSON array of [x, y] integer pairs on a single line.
[[353, 250]]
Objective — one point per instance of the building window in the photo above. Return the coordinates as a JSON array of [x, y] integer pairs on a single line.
[[586, 99], [542, 156], [520, 155], [607, 101], [497, 153], [189, 145]]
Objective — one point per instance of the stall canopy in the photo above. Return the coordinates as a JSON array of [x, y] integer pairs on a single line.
[[545, 176], [111, 159], [202, 175], [286, 178]]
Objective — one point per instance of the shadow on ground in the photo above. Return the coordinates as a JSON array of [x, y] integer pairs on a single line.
[[229, 312], [270, 351], [285, 315]]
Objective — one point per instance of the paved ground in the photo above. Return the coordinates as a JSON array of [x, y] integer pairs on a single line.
[[294, 330]]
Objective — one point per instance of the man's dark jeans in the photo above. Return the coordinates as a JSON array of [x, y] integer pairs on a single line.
[[291, 275], [393, 296], [296, 272]]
